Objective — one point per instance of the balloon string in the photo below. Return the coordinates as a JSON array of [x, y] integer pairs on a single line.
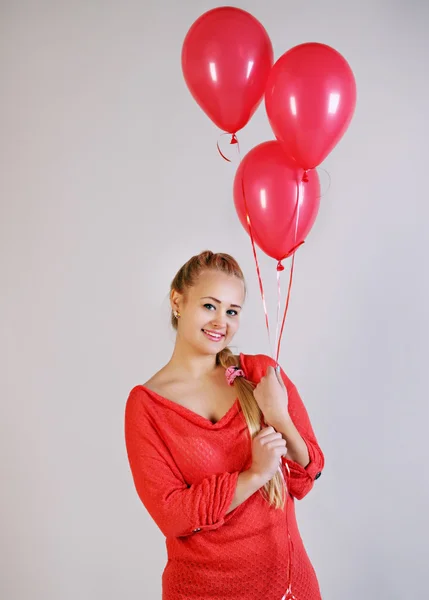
[[234, 140], [329, 184], [279, 298], [298, 203], [289, 595], [255, 256], [286, 307], [305, 179], [261, 286]]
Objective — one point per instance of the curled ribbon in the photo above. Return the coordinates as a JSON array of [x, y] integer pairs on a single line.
[[234, 140]]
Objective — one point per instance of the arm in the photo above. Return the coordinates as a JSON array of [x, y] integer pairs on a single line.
[[177, 508], [247, 484], [297, 450], [300, 479]]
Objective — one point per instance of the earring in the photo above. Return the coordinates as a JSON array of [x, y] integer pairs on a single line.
[[176, 314]]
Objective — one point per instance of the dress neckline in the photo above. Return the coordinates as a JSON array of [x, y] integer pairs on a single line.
[[187, 412]]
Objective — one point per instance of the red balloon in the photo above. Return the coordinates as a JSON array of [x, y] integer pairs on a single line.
[[226, 59], [272, 184], [310, 100]]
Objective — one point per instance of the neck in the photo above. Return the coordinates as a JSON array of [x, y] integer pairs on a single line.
[[191, 363]]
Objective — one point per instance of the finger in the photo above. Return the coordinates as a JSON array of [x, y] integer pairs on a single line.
[[270, 371], [272, 437], [266, 431]]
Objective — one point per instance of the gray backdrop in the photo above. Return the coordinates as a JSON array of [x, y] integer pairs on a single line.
[[110, 180]]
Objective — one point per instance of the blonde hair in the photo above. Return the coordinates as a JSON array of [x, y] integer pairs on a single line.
[[274, 490]]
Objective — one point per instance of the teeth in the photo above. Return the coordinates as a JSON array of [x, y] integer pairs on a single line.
[[215, 335]]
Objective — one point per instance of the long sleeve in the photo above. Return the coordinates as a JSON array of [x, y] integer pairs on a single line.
[[300, 480], [177, 508]]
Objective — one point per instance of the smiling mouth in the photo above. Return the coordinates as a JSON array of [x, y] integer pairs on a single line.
[[216, 337]]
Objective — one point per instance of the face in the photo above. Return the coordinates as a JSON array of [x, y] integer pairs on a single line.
[[210, 312]]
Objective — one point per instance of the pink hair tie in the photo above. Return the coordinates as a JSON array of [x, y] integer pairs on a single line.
[[232, 372]]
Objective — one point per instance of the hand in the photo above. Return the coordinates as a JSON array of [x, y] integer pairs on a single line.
[[268, 447], [271, 396]]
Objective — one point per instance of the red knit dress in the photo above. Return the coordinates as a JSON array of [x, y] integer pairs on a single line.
[[185, 470]]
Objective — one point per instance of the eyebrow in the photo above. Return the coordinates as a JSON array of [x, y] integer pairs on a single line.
[[219, 302]]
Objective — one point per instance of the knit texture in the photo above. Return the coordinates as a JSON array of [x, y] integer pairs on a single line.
[[185, 470]]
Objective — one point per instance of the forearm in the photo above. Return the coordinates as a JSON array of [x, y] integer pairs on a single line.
[[296, 447], [247, 484]]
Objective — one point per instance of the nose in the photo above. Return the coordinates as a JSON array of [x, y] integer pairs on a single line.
[[218, 324]]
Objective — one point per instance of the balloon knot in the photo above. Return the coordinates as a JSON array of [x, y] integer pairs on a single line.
[[305, 176], [280, 267], [234, 139]]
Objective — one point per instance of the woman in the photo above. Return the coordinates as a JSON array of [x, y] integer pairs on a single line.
[[208, 471]]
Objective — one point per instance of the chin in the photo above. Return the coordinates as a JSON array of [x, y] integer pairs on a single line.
[[212, 348]]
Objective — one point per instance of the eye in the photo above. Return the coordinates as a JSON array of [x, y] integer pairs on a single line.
[[231, 312]]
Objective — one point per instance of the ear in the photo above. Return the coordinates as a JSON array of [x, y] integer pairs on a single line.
[[175, 300]]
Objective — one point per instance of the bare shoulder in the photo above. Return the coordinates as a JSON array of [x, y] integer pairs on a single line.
[[159, 382]]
